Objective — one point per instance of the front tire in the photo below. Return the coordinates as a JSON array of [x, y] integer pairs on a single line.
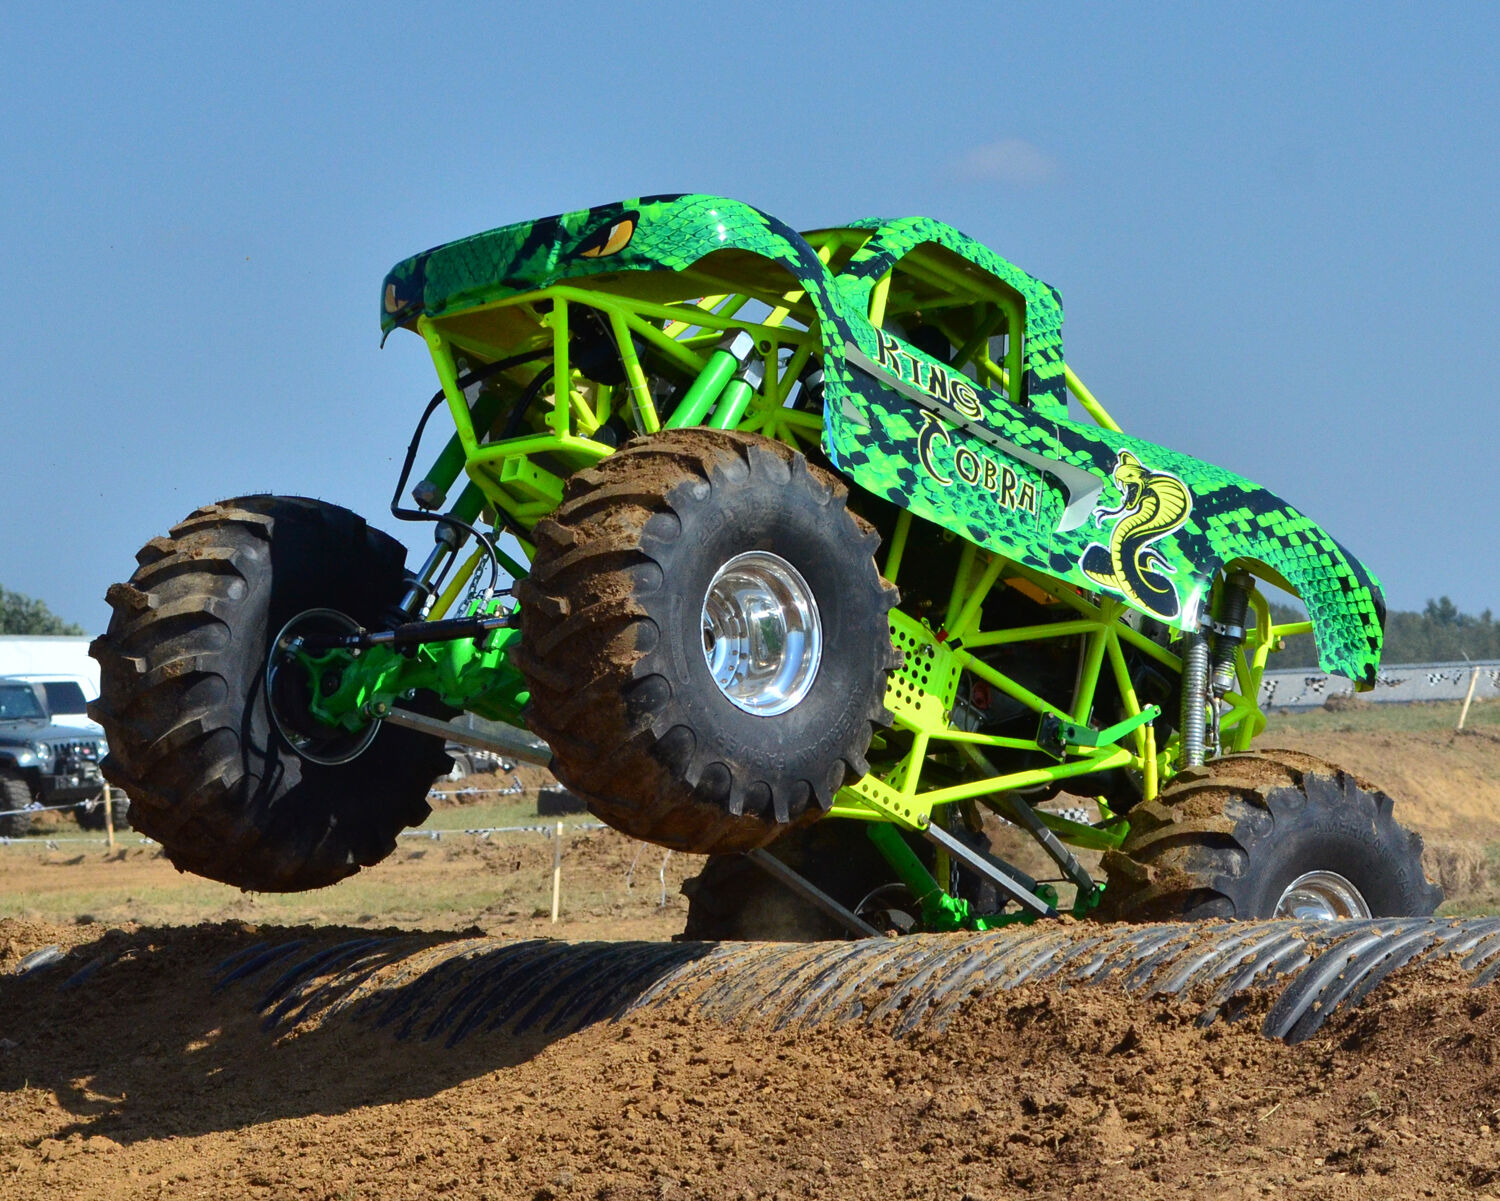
[[686, 536], [15, 801], [183, 697], [1268, 834]]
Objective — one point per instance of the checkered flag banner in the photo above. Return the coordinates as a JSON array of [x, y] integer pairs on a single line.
[[1397, 683]]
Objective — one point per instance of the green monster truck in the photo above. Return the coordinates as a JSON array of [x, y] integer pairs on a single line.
[[723, 446]]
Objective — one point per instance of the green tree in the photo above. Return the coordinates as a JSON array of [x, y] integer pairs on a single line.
[[25, 615]]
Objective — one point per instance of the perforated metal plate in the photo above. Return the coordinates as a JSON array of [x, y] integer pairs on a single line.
[[922, 689]]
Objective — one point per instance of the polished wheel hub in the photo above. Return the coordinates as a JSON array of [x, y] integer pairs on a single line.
[[1321, 896], [289, 692], [762, 637]]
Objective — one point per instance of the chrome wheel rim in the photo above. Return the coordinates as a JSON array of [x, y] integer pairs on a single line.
[[1321, 897], [286, 693], [762, 635]]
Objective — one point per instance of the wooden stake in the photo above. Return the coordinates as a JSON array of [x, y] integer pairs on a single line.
[[556, 870], [109, 818], [1463, 715]]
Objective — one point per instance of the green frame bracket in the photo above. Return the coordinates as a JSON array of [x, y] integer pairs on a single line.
[[1056, 734], [351, 688]]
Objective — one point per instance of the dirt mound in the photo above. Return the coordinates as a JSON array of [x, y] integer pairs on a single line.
[[141, 1081], [1446, 784], [154, 1085]]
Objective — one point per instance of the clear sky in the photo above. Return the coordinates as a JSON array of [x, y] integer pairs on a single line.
[[1273, 227]]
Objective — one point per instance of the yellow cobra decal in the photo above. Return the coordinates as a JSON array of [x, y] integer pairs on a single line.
[[1155, 504]]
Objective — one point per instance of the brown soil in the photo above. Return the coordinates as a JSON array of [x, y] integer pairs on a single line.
[[1446, 785], [143, 1082], [155, 1086]]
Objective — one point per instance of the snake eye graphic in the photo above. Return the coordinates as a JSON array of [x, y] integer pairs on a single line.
[[611, 239]]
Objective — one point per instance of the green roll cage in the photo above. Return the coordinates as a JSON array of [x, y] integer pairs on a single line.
[[680, 324]]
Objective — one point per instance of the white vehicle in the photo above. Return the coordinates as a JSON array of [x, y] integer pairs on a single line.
[[61, 665]]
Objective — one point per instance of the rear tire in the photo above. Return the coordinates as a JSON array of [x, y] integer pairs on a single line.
[[183, 697], [734, 899], [613, 640], [1229, 840]]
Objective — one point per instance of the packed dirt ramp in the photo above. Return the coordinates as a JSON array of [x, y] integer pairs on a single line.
[[1297, 974]]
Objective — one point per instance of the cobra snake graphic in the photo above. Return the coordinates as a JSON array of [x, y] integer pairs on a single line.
[[1155, 504]]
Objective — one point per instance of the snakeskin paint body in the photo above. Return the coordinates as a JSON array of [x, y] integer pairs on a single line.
[[1021, 479]]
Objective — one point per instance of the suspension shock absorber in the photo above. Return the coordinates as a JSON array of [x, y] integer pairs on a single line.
[[1229, 631], [1193, 719], [1208, 674]]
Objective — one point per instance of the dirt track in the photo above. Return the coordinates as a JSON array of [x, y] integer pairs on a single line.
[[171, 1090], [143, 1082]]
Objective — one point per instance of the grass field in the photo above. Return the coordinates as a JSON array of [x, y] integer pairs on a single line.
[[1364, 717]]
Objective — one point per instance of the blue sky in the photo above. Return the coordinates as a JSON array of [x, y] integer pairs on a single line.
[[1272, 227]]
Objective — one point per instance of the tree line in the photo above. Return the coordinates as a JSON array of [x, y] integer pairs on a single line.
[[25, 615]]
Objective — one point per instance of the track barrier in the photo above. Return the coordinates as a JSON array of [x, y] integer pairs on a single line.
[[1396, 683]]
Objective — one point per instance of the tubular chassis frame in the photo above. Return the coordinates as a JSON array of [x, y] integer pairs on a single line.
[[518, 480]]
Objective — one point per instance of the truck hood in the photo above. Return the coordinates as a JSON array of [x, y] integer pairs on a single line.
[[37, 729]]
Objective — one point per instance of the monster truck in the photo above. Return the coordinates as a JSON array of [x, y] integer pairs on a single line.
[[721, 447], [42, 764]]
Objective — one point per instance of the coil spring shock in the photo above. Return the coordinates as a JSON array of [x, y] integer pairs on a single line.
[[1193, 719], [1207, 677]]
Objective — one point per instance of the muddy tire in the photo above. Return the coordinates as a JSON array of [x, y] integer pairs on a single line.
[[1231, 839], [183, 698], [613, 641], [732, 899], [15, 794]]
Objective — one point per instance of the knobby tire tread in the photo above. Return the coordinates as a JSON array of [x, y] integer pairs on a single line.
[[180, 675], [592, 616], [1203, 848]]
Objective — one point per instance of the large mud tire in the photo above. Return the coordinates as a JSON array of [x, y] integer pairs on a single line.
[[183, 698], [15, 799], [1226, 840], [612, 641], [733, 899]]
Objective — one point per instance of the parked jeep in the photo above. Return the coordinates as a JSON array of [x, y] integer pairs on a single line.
[[42, 764]]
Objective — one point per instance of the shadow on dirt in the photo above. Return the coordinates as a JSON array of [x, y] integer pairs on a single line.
[[176, 1032]]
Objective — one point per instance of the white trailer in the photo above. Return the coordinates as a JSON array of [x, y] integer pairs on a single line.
[[61, 664]]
